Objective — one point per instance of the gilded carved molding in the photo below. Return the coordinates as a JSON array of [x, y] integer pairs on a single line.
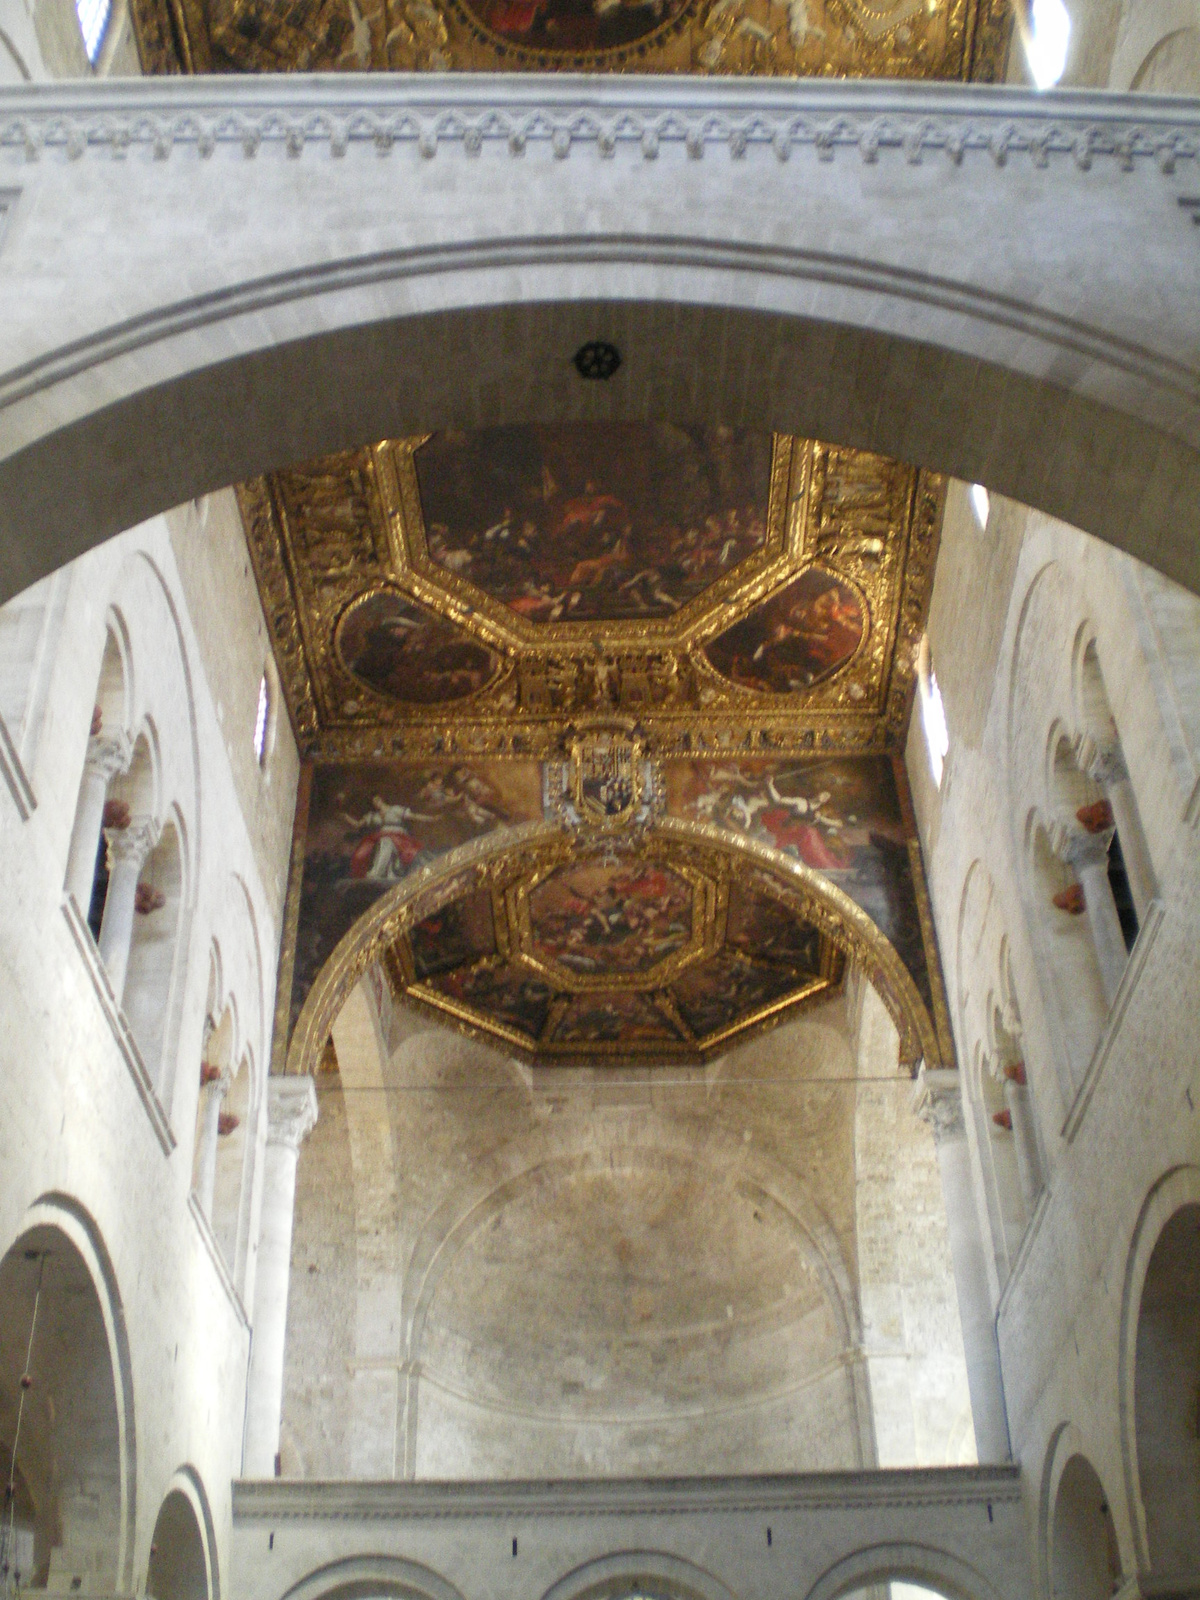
[[340, 535], [494, 863], [904, 38]]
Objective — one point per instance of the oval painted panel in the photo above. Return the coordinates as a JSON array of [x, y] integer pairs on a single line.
[[404, 652], [797, 638]]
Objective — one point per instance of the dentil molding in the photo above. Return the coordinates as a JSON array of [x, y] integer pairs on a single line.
[[333, 112]]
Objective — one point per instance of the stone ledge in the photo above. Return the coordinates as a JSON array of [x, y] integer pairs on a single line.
[[278, 1500], [470, 111], [126, 1043]]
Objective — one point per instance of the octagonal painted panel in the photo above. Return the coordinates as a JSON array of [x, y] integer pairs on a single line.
[[603, 918]]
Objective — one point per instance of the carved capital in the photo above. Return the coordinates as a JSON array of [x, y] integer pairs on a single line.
[[107, 754], [937, 1100], [1107, 767], [1082, 850], [291, 1111], [133, 844]]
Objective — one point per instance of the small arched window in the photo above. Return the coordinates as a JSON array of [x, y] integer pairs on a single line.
[[93, 24], [933, 714], [262, 720]]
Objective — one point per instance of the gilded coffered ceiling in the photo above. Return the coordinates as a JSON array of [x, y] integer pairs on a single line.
[[657, 948], [491, 593], [836, 38]]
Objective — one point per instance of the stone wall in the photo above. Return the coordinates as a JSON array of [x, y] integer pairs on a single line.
[[97, 1127]]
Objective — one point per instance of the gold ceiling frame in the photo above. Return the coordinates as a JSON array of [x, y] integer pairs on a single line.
[[516, 940], [484, 861], [869, 523], [709, 873]]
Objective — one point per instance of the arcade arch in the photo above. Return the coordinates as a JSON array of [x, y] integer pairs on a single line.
[[179, 1562], [61, 1415]]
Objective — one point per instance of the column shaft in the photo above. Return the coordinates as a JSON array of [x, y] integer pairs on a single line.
[[1109, 941], [292, 1111], [105, 758], [938, 1101], [1029, 1166]]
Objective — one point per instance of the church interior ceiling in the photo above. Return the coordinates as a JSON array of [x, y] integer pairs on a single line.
[[662, 951], [962, 39], [597, 627], [487, 593]]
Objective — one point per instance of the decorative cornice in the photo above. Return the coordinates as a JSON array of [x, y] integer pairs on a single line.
[[281, 1501], [426, 111]]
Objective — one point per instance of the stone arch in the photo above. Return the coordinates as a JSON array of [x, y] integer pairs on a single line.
[[1176, 1195], [903, 1562], [80, 1410], [183, 1550], [366, 1577], [1084, 1557], [633, 1572], [960, 369]]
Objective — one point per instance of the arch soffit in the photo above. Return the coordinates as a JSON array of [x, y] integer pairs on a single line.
[[1066, 1444], [915, 1563], [368, 1577], [639, 1566], [1175, 1189], [217, 439], [519, 1166], [64, 1213], [846, 924]]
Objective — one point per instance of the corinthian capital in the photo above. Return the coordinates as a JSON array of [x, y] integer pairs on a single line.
[[1107, 766], [133, 843], [937, 1100], [1081, 850], [108, 754], [291, 1111]]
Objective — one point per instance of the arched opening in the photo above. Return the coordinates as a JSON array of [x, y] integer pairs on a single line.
[[108, 755], [178, 1567], [1130, 870], [1069, 969], [1167, 1398], [1085, 1563], [59, 1425], [216, 1070], [149, 986]]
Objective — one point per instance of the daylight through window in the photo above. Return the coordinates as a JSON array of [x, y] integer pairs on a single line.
[[93, 22], [261, 719]]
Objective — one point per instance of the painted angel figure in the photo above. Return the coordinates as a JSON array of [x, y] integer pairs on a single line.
[[386, 850]]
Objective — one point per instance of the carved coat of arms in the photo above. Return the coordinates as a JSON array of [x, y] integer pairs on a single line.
[[607, 776]]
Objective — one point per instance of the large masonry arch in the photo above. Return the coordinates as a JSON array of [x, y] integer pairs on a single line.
[[995, 284]]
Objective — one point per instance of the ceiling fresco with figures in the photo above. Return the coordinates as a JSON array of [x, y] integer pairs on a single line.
[[486, 592], [838, 38], [658, 948]]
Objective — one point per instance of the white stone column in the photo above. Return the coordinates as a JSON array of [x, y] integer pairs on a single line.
[[106, 756], [1029, 1162], [291, 1114], [937, 1100], [214, 1096], [1110, 773], [127, 852], [1087, 854]]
